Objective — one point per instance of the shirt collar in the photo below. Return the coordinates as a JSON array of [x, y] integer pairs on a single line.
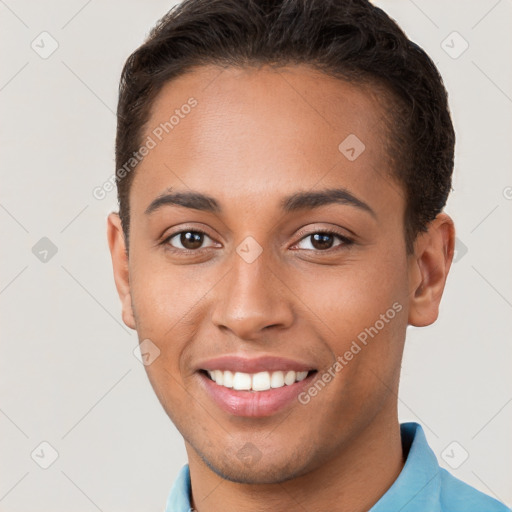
[[416, 488], [179, 497]]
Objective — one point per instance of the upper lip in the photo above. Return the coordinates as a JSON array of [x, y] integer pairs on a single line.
[[253, 364]]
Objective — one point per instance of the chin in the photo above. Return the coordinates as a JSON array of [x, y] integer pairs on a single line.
[[259, 471]]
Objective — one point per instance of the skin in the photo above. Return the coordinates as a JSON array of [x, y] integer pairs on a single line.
[[258, 135]]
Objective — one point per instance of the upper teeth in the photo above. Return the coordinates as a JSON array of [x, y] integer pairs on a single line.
[[256, 381]]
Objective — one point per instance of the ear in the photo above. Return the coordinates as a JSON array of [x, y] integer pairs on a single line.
[[116, 243], [428, 270]]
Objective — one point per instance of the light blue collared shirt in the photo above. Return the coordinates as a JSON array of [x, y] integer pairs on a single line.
[[421, 486]]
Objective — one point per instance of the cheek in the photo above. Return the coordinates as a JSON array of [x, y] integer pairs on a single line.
[[360, 312], [165, 307], [164, 295], [345, 300]]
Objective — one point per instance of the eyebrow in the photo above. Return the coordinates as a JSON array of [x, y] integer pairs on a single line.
[[310, 200], [292, 203], [194, 200]]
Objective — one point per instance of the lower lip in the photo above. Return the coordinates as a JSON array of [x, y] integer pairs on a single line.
[[253, 403]]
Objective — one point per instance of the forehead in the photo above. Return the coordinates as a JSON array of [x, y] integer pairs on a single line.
[[249, 127]]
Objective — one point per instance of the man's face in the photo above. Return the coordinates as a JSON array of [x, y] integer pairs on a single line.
[[254, 139]]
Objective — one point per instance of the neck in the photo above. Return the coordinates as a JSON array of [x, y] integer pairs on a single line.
[[352, 480]]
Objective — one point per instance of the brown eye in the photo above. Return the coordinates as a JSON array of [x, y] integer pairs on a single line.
[[187, 240], [191, 239], [323, 241]]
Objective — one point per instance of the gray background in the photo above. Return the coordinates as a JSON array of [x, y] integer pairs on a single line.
[[68, 373]]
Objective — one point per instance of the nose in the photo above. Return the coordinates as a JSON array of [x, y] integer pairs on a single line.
[[251, 299]]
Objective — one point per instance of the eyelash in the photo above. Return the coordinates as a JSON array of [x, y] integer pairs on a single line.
[[345, 241]]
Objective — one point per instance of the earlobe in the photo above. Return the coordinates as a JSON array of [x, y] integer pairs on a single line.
[[428, 270], [116, 243]]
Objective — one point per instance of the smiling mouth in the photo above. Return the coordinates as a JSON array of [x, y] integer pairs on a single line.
[[261, 381]]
